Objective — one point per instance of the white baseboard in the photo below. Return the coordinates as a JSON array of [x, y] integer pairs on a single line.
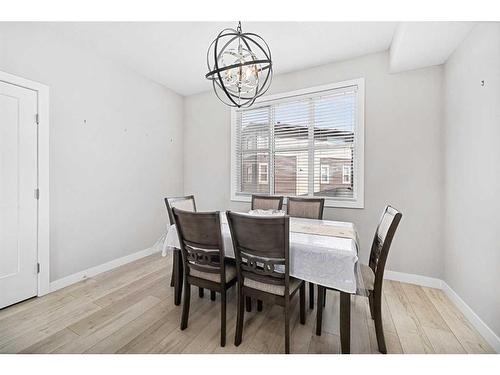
[[411, 278], [432, 282], [473, 318], [79, 276]]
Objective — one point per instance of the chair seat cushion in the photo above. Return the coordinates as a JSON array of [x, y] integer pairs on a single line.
[[279, 290], [368, 277], [215, 277]]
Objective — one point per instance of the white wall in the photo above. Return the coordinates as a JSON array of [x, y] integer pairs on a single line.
[[115, 149], [403, 155], [472, 185]]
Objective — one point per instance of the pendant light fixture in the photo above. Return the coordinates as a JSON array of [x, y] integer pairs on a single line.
[[239, 66]]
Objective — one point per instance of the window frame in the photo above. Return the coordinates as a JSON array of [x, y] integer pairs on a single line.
[[359, 135]]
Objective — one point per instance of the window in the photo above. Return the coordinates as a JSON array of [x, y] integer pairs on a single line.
[[303, 143], [325, 173], [346, 174], [263, 173], [248, 174]]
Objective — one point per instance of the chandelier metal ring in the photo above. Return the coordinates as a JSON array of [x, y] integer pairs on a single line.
[[241, 70]]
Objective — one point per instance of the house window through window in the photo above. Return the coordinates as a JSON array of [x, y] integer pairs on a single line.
[[325, 174], [346, 174], [248, 175], [263, 173]]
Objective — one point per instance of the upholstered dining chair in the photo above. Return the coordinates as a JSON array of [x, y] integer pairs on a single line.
[[373, 273], [307, 208], [186, 203], [261, 247], [203, 259], [267, 202]]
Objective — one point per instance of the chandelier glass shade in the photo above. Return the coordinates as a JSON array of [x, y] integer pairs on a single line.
[[239, 66]]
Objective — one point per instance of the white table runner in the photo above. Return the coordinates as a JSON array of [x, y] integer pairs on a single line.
[[321, 259]]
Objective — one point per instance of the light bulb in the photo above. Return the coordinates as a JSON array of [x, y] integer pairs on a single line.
[[248, 72]]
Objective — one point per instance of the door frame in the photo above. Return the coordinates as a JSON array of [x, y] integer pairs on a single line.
[[43, 234]]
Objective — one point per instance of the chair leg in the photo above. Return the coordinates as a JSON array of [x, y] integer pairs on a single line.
[[185, 306], [319, 307], [200, 292], [223, 318], [240, 315], [172, 277], [379, 329], [302, 296], [311, 295], [370, 303], [248, 302], [178, 277], [324, 297], [287, 327], [212, 295], [259, 305]]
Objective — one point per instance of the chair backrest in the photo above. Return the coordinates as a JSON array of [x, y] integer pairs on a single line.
[[308, 208], [200, 240], [267, 202], [261, 248], [186, 203], [382, 241]]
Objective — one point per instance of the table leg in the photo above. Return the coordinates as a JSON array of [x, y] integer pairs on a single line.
[[311, 295], [319, 310], [178, 277], [345, 322]]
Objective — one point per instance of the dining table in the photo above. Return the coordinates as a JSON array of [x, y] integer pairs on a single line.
[[322, 252]]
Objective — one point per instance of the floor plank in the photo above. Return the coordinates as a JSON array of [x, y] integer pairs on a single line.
[[411, 335], [471, 341], [108, 327], [437, 331], [324, 344], [112, 343], [19, 343], [130, 310], [94, 321], [51, 343]]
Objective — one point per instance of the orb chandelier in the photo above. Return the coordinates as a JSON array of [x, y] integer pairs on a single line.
[[239, 66]]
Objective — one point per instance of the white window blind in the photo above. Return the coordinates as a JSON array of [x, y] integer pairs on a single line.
[[301, 144]]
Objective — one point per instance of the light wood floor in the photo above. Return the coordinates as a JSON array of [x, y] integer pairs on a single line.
[[130, 310]]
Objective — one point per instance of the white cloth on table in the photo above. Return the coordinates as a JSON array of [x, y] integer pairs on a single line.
[[324, 260]]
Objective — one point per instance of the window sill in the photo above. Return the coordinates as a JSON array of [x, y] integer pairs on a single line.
[[331, 203]]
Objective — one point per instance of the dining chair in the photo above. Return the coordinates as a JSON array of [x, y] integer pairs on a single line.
[[372, 274], [261, 247], [186, 203], [264, 202], [307, 208], [203, 259], [267, 202]]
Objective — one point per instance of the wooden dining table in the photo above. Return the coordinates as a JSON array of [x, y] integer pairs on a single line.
[[322, 252]]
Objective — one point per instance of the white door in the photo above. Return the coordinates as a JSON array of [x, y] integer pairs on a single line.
[[18, 206]]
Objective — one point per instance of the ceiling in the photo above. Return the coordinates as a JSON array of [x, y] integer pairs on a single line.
[[174, 53], [419, 44]]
